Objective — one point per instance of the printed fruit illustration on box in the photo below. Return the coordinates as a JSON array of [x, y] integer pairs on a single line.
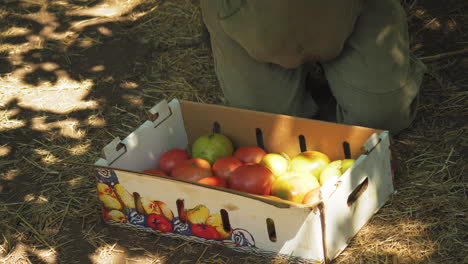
[[120, 206]]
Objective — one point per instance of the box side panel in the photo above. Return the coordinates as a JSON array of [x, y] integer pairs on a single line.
[[280, 133], [245, 215], [144, 146], [348, 210], [297, 229]]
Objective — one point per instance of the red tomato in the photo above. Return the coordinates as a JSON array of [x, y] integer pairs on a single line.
[[223, 167], [171, 158], [155, 172], [252, 178], [250, 154], [213, 181], [192, 170]]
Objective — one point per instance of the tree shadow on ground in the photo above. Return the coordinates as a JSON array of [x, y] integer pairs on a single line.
[[48, 47]]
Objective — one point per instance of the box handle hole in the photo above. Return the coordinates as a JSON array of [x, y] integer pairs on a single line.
[[302, 143], [153, 117], [271, 229], [216, 127], [120, 146], [259, 135], [225, 219], [360, 189], [181, 210], [138, 204], [346, 150]]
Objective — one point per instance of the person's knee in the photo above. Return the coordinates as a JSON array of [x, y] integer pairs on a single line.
[[385, 113]]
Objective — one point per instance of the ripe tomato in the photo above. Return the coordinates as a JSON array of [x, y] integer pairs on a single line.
[[213, 181], [155, 172], [223, 167], [192, 170], [250, 154], [171, 158], [252, 178]]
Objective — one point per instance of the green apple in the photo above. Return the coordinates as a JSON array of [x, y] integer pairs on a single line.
[[212, 147], [277, 163], [329, 173], [346, 164]]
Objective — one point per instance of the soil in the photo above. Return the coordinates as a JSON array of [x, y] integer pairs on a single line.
[[123, 58]]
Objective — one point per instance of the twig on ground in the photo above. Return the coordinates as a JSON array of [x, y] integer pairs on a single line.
[[444, 55]]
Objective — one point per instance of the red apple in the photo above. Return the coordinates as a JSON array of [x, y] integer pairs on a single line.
[[252, 178], [171, 158], [312, 197], [213, 181], [155, 172], [223, 167], [192, 170], [252, 154], [205, 231], [158, 222]]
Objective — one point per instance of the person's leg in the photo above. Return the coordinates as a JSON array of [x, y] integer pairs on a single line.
[[375, 79], [249, 84]]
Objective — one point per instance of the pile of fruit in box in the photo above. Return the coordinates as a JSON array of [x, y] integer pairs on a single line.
[[214, 161]]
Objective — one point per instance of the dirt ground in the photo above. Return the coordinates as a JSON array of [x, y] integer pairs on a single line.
[[74, 74]]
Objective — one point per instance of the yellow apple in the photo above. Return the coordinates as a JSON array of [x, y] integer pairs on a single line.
[[198, 214], [124, 196], [312, 162], [150, 206], [110, 202], [117, 216], [166, 211], [277, 163], [103, 188], [293, 186], [216, 221]]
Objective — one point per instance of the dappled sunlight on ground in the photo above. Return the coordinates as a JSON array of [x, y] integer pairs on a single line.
[[35, 199], [68, 127], [47, 156], [8, 122], [115, 254], [76, 73], [63, 97], [415, 248], [22, 253], [5, 150]]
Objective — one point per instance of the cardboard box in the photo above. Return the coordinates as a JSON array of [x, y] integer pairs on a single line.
[[260, 225]]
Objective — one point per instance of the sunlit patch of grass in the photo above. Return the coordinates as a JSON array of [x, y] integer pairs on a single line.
[[106, 254], [79, 149], [95, 121], [133, 100], [35, 199], [15, 32], [9, 123], [65, 96], [67, 128], [9, 174], [5, 150], [21, 253], [46, 156]]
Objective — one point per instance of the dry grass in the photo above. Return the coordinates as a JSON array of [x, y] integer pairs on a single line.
[[49, 213]]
